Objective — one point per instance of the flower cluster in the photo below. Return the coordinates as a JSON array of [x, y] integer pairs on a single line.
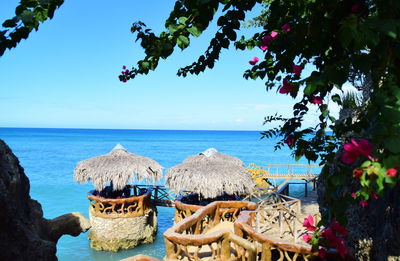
[[125, 73], [355, 149], [331, 237]]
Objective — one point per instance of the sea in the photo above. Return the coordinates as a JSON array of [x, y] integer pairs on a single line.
[[49, 157]]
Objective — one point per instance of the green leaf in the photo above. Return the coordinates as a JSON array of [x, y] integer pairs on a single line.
[[194, 30], [310, 88], [27, 17], [10, 22], [182, 41], [182, 20]]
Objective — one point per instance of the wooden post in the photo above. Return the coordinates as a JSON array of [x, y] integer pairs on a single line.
[[306, 188], [280, 223], [294, 230], [299, 207], [258, 221]]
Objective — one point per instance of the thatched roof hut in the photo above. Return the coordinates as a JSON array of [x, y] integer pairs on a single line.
[[210, 174], [117, 167]]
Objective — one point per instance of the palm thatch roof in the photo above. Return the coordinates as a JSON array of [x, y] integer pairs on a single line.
[[210, 174], [117, 167]]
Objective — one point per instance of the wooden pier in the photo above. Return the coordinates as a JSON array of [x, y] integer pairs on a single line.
[[160, 195], [263, 174]]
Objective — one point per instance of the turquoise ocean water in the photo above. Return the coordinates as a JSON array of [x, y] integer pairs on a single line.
[[49, 157]]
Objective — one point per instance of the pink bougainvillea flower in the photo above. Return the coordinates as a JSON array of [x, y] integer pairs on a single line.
[[266, 40], [339, 228], [322, 252], [391, 172], [274, 35], [289, 140], [309, 223], [357, 173], [363, 146], [286, 28], [124, 80], [317, 100], [124, 67], [254, 61], [307, 238], [354, 8], [127, 71], [353, 195], [123, 72], [342, 249], [353, 150], [297, 69], [374, 195], [264, 47], [286, 88], [363, 203]]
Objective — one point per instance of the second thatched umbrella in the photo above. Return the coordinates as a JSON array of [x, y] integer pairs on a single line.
[[117, 167], [210, 174]]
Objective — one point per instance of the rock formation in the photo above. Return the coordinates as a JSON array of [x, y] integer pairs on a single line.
[[24, 233]]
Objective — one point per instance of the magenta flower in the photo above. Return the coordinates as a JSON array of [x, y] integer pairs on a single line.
[[339, 228], [263, 47], [289, 140], [266, 40], [297, 69], [123, 72], [254, 61], [124, 67], [286, 88], [309, 223], [286, 28], [124, 80], [274, 35], [353, 150], [307, 238], [317, 100], [322, 252], [354, 8], [353, 195], [374, 195], [391, 172], [363, 203], [127, 71]]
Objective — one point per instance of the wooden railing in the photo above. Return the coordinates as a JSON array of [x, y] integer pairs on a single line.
[[133, 206], [270, 247], [193, 237]]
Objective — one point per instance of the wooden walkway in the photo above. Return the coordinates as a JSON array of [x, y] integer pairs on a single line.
[[307, 172]]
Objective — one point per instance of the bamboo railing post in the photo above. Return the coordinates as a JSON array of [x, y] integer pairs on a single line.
[[298, 207], [294, 230], [225, 249], [266, 252], [258, 221]]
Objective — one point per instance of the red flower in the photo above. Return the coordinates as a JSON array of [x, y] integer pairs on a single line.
[[317, 100], [322, 252], [363, 203], [254, 61], [336, 242], [297, 69], [127, 71], [391, 172], [309, 223], [289, 140], [357, 173], [124, 67], [124, 80], [339, 228], [286, 88], [264, 47], [354, 8], [307, 238], [274, 35], [353, 194], [286, 28], [374, 195]]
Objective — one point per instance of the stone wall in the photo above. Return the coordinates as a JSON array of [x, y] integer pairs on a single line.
[[112, 234]]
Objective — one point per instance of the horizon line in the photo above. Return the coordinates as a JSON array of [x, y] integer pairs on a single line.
[[74, 128]]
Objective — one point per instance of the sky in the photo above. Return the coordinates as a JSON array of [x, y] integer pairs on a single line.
[[65, 75]]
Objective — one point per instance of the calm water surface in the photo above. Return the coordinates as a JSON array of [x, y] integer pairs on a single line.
[[49, 157]]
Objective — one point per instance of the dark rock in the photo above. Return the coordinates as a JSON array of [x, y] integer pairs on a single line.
[[24, 233]]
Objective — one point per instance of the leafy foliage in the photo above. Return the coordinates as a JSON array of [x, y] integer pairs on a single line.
[[28, 15], [343, 40]]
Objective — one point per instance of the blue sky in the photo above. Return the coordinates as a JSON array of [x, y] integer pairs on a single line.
[[66, 76]]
